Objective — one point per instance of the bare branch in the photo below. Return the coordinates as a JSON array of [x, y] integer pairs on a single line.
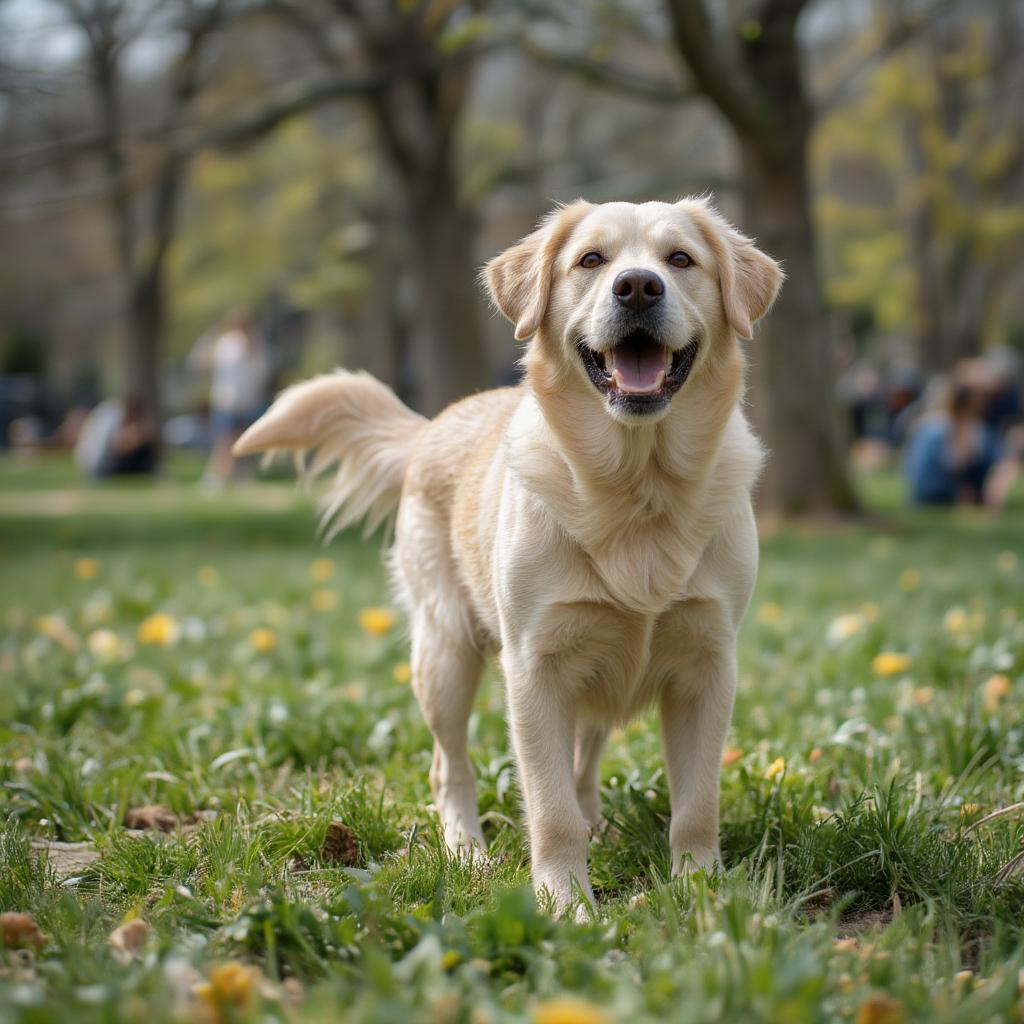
[[717, 75], [608, 76]]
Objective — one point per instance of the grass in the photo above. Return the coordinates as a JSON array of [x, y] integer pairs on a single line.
[[262, 713]]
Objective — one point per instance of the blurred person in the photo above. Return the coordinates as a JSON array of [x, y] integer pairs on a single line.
[[118, 438], [951, 452], [236, 360]]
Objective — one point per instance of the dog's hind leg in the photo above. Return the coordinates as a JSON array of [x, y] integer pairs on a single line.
[[445, 676], [590, 741]]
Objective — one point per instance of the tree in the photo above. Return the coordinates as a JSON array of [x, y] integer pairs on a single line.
[[420, 57], [142, 221], [751, 72], [922, 202]]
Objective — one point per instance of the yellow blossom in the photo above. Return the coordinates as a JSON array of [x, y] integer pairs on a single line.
[[769, 613], [995, 688], [880, 1009], [451, 959], [402, 672], [776, 768], [86, 568], [229, 986], [870, 611], [59, 631], [731, 756], [208, 575], [891, 663], [910, 579], [321, 570], [376, 621], [1007, 561], [105, 644], [845, 626], [924, 695], [263, 640], [956, 621], [323, 600], [969, 809], [159, 629], [567, 1010]]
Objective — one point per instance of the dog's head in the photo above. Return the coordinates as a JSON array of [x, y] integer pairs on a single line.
[[634, 299]]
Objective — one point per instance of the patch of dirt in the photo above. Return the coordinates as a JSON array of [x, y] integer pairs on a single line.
[[863, 922], [66, 859]]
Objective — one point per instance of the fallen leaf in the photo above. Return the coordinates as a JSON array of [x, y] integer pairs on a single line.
[[20, 931], [156, 817], [341, 846], [129, 939]]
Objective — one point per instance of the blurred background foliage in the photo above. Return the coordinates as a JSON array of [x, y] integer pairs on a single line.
[[343, 168]]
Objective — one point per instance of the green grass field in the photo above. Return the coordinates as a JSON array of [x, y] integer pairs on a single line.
[[162, 647]]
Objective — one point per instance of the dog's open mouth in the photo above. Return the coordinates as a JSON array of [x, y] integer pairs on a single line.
[[639, 372]]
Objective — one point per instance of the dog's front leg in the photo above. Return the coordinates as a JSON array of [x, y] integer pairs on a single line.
[[695, 713], [542, 716]]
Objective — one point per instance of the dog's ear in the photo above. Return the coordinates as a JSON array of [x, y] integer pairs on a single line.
[[519, 279], [749, 279]]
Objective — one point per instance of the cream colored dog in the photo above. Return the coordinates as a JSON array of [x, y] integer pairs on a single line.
[[593, 525]]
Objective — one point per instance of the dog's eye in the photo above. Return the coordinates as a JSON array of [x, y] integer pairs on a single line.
[[590, 260], [680, 259]]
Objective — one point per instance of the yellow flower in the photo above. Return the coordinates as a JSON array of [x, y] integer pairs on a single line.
[[376, 621], [567, 1010], [969, 809], [323, 600], [321, 570], [105, 644], [402, 672], [1006, 561], [160, 629], [870, 611], [891, 663], [995, 688], [845, 626], [228, 986], [910, 579], [956, 621], [924, 695], [208, 575], [769, 613], [731, 756], [86, 569], [59, 631], [777, 767], [880, 1009], [263, 640], [451, 959]]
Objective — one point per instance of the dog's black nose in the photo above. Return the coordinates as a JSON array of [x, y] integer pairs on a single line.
[[638, 289]]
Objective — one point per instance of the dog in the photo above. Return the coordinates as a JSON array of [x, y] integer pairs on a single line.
[[592, 525]]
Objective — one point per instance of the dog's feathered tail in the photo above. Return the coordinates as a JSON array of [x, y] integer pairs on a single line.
[[347, 419]]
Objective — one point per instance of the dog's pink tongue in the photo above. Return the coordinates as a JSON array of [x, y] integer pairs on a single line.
[[639, 368]]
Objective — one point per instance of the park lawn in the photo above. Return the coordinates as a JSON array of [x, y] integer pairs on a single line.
[[165, 647]]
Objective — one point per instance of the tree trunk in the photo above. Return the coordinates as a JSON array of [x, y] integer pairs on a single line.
[[448, 350], [793, 385], [145, 344]]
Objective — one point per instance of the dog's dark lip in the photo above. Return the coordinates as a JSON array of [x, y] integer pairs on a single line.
[[595, 364]]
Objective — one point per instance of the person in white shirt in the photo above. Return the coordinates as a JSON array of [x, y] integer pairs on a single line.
[[237, 362]]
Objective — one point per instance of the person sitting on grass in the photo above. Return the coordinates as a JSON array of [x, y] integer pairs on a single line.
[[952, 452]]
